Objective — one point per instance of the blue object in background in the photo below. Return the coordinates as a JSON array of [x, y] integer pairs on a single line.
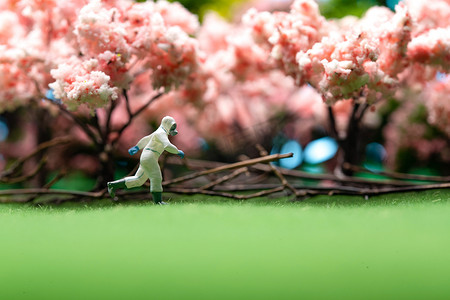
[[320, 150], [392, 3], [313, 169], [291, 162], [4, 130], [375, 155], [49, 95], [375, 152], [441, 76], [203, 144]]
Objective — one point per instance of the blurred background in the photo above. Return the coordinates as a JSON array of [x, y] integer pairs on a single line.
[[292, 119]]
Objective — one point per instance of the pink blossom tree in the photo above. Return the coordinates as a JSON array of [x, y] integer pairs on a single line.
[[88, 53], [358, 62], [428, 56], [100, 64]]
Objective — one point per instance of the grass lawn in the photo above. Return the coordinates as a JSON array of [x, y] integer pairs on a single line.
[[389, 247]]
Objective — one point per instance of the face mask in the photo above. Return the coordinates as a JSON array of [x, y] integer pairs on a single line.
[[173, 130]]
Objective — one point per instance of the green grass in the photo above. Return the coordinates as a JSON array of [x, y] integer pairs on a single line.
[[390, 247]]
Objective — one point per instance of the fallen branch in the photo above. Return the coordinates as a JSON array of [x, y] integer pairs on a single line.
[[277, 173], [224, 178], [223, 194], [225, 167], [366, 192], [43, 191], [202, 164], [397, 175]]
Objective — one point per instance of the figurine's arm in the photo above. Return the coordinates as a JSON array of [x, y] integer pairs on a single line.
[[144, 141], [141, 144], [171, 148]]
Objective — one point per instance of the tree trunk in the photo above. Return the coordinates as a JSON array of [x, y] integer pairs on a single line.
[[349, 144], [107, 167], [43, 134]]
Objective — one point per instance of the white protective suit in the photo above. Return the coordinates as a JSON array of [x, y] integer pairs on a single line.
[[152, 146]]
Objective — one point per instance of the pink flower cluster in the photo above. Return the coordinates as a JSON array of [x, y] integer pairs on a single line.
[[78, 82], [432, 48], [437, 99], [94, 48], [428, 14], [361, 63], [286, 34]]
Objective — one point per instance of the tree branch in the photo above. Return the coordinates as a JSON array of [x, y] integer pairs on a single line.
[[54, 142], [332, 121], [77, 120], [60, 175], [133, 115], [23, 178]]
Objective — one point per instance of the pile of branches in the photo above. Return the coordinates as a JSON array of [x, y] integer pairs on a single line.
[[249, 178]]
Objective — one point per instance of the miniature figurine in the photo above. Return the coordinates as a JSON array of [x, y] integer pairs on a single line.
[[153, 145]]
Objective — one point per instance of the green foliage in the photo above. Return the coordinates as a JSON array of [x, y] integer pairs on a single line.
[[328, 8], [342, 8], [200, 7]]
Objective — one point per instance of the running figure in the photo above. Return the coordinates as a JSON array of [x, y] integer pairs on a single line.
[[153, 145]]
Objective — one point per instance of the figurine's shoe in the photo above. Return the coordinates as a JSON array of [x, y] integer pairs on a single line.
[[111, 190], [157, 197], [113, 185], [163, 203]]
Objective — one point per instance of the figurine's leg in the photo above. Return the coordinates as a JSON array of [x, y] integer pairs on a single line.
[[153, 172], [156, 186], [128, 182]]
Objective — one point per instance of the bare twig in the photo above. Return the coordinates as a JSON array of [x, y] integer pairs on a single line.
[[229, 167], [60, 175], [133, 115], [277, 173], [43, 191], [201, 165], [127, 103], [108, 120], [344, 180], [366, 192], [23, 178], [78, 121], [397, 175], [223, 194], [387, 190], [362, 110], [224, 178], [265, 186], [54, 142], [335, 190]]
